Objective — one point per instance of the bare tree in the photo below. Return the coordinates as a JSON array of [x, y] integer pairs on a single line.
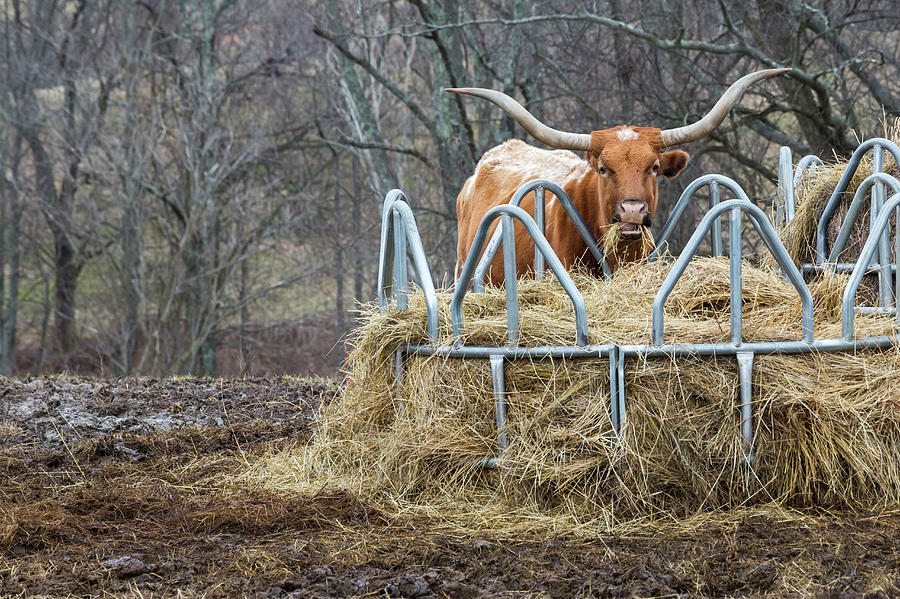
[[185, 176]]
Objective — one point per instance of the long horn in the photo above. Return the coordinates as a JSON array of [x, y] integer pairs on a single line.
[[552, 137], [714, 117]]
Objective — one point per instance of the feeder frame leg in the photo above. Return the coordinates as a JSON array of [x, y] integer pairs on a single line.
[[499, 400], [399, 373], [745, 377], [614, 414], [620, 388]]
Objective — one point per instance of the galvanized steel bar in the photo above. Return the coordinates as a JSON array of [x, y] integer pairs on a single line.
[[874, 310], [808, 162], [614, 414], [513, 353], [620, 373], [745, 378], [399, 363], [510, 279], [865, 257], [486, 259], [840, 243], [885, 295], [386, 248], [838, 267], [784, 203], [401, 271], [499, 400], [580, 226], [541, 244], [716, 241], [656, 351], [539, 207], [735, 279], [685, 199], [767, 232], [841, 187]]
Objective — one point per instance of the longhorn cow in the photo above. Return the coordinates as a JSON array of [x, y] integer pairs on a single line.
[[616, 183]]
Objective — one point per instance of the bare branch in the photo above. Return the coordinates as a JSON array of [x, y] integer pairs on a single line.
[[379, 76]]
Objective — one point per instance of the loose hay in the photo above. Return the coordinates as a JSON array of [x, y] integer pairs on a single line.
[[812, 194], [827, 426], [614, 235]]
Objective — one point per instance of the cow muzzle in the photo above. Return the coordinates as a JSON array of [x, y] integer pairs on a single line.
[[632, 214]]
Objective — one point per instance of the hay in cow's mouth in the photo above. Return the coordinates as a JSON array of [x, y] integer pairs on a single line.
[[616, 233], [827, 426], [630, 230]]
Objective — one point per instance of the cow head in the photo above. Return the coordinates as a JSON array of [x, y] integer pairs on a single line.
[[627, 159]]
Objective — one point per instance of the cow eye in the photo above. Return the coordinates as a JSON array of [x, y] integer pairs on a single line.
[[603, 171], [655, 168]]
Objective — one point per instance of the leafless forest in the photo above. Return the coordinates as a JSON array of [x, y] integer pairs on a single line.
[[194, 186]]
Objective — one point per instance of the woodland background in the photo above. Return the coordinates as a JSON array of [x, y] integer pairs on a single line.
[[194, 186]]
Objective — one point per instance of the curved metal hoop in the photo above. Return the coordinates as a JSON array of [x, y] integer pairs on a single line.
[[855, 207], [862, 264], [397, 215], [808, 162], [508, 212], [877, 144], [713, 181], [539, 186], [767, 232]]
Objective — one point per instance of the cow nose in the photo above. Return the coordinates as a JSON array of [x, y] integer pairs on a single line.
[[633, 211]]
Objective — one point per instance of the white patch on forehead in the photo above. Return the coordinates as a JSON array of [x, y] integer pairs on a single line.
[[626, 133]]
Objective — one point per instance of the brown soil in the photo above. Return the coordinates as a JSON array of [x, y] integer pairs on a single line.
[[126, 488]]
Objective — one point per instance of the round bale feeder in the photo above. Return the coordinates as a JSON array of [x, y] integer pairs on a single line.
[[680, 384]]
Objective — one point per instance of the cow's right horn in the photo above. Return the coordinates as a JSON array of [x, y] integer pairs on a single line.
[[713, 118], [552, 137]]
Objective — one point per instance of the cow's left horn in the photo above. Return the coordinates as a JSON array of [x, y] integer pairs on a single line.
[[714, 117], [552, 137]]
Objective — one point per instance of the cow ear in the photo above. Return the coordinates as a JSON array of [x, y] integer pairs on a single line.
[[672, 163]]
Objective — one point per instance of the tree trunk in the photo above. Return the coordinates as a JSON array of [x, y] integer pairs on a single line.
[[66, 271], [246, 355], [129, 285], [10, 255], [356, 224], [57, 212], [338, 247]]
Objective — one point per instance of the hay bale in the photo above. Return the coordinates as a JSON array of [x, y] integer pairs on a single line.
[[827, 426], [811, 196]]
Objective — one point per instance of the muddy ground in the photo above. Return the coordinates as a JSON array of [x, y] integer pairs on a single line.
[[119, 488]]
